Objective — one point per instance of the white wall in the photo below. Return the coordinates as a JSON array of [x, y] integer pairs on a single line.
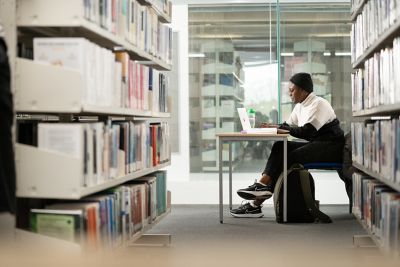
[[179, 169]]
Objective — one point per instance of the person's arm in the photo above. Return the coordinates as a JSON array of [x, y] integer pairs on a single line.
[[304, 132]]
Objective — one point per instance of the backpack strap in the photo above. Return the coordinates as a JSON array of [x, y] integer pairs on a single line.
[[305, 186]]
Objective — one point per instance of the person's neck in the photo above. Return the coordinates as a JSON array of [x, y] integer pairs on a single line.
[[304, 97]]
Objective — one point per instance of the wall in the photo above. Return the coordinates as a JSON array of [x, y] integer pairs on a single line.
[[179, 169]]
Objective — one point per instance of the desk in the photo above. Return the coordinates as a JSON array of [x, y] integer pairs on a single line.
[[238, 137]]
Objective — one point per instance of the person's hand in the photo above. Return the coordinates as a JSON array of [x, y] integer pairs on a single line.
[[268, 125]]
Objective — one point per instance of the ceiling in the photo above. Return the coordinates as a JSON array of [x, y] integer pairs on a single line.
[[252, 27]]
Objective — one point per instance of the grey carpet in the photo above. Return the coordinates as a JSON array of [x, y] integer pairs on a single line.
[[198, 239], [200, 223]]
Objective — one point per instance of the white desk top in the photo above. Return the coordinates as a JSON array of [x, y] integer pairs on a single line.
[[244, 135]]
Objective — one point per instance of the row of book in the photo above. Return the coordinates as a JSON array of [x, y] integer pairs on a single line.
[[144, 87], [376, 146], [162, 5], [111, 79], [137, 24], [108, 219], [108, 151], [376, 84], [379, 207], [376, 17], [354, 4]]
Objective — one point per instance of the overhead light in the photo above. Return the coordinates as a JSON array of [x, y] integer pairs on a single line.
[[343, 54], [327, 54], [376, 118], [256, 63], [197, 55], [286, 54]]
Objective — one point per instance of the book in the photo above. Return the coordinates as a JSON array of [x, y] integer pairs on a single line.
[[91, 219], [64, 224], [151, 195]]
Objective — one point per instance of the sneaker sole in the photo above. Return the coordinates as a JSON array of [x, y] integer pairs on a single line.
[[250, 195], [247, 215]]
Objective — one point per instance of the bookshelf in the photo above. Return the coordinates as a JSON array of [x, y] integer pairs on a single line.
[[148, 227], [47, 93], [375, 130], [380, 110], [36, 95], [357, 6], [385, 39], [377, 176], [220, 82], [312, 53], [43, 174], [66, 18], [374, 238], [161, 7]]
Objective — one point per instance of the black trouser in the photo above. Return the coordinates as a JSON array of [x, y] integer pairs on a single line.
[[7, 165], [302, 152]]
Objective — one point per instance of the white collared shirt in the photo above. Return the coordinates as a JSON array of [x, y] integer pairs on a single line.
[[315, 110]]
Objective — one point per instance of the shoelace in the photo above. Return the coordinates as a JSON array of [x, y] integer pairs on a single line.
[[247, 202], [255, 181]]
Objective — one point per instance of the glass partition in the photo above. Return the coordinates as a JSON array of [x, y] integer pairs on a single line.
[[315, 38], [233, 63]]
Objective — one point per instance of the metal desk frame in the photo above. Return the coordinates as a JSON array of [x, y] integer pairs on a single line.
[[237, 137]]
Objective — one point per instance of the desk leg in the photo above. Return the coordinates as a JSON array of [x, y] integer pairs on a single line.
[[230, 175], [285, 180], [220, 180]]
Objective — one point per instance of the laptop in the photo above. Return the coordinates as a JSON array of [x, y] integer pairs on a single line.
[[246, 127]]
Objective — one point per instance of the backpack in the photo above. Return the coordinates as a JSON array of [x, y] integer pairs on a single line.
[[301, 204]]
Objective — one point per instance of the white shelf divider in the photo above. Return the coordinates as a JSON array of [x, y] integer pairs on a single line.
[[44, 174], [44, 16], [61, 90]]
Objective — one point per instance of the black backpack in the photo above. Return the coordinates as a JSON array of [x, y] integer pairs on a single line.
[[301, 204]]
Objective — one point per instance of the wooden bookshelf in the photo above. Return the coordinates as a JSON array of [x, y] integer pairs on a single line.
[[385, 39], [377, 176], [380, 110], [357, 10]]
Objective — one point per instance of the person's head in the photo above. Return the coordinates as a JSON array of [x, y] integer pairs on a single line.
[[300, 87]]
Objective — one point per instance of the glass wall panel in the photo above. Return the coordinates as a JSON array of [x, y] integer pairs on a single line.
[[315, 38], [233, 63]]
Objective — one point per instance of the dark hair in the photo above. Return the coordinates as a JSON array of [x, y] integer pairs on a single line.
[[303, 80]]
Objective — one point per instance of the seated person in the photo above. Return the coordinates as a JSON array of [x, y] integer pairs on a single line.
[[312, 119]]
